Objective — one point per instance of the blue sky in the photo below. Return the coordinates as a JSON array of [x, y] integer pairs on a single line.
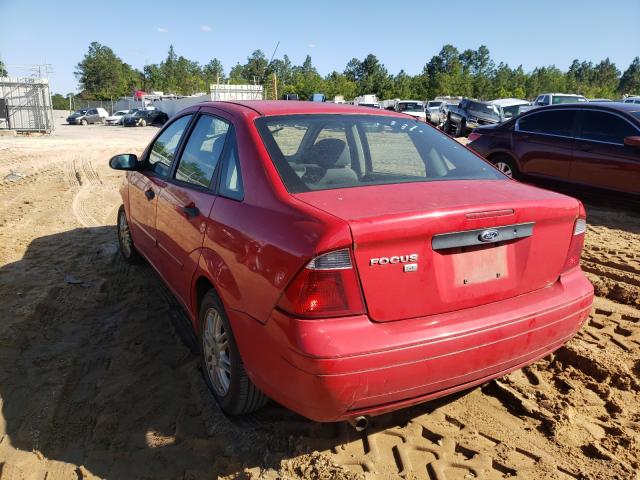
[[517, 32]]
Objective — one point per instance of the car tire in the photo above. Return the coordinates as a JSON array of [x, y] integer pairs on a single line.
[[222, 366], [125, 240], [446, 126], [506, 165], [83, 122], [143, 123], [461, 129]]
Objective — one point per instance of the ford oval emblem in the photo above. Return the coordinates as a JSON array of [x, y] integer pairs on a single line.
[[488, 235]]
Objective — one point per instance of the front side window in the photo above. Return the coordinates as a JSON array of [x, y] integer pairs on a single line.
[[343, 151], [164, 148], [605, 127], [554, 122], [202, 151]]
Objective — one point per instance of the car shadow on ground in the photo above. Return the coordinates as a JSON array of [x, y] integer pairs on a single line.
[[602, 207], [94, 375]]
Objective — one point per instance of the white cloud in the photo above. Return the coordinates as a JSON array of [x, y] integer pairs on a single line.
[[162, 30], [206, 28], [312, 45]]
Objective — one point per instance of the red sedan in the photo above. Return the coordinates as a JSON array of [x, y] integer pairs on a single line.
[[345, 261]]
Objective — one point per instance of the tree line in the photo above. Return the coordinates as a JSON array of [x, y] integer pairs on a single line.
[[102, 75]]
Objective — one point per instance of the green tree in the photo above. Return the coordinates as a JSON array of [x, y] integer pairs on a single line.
[[545, 79], [370, 76], [305, 80], [3, 69], [213, 71], [103, 75], [236, 75], [59, 102], [338, 84], [630, 80], [256, 67], [444, 73], [605, 79]]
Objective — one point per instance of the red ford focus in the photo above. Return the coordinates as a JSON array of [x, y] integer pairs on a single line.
[[347, 262]]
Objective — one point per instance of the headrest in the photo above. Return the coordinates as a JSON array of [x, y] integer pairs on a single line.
[[326, 152]]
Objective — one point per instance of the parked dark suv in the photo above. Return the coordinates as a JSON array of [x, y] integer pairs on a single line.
[[142, 118], [588, 144]]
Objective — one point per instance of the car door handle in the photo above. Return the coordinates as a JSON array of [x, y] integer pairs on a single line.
[[150, 194], [190, 211]]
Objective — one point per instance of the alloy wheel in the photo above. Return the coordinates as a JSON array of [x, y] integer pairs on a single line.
[[505, 168], [217, 352], [125, 235]]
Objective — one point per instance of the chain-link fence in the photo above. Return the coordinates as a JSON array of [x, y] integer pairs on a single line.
[[76, 103]]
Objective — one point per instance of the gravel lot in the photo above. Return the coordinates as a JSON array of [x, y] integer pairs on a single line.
[[95, 382]]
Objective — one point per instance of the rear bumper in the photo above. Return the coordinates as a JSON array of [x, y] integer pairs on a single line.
[[334, 369]]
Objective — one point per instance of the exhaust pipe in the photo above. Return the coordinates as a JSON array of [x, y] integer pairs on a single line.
[[360, 423]]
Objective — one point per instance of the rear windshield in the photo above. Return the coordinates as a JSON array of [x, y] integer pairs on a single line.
[[558, 99], [321, 152], [484, 109], [410, 107]]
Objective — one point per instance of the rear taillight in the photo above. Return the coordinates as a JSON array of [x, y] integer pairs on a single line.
[[473, 136], [326, 287], [577, 241]]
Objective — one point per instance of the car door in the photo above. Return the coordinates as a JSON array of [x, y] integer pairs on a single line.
[[186, 201], [146, 184], [601, 159], [92, 115], [543, 142]]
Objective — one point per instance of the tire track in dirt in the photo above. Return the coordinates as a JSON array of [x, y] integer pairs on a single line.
[[85, 199], [586, 393], [611, 256]]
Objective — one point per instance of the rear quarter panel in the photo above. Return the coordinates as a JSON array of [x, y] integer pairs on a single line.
[[253, 248]]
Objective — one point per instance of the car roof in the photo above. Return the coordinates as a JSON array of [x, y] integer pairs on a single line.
[[292, 107], [564, 94], [508, 102], [613, 106]]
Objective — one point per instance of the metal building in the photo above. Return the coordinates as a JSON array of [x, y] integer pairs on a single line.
[[25, 105]]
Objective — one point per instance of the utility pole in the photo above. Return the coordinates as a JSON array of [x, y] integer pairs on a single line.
[[275, 87]]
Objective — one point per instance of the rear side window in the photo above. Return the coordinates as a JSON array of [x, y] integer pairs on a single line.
[[164, 148], [552, 122], [231, 177], [605, 127], [202, 151], [343, 151]]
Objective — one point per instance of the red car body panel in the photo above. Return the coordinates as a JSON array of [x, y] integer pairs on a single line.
[[330, 370], [419, 338]]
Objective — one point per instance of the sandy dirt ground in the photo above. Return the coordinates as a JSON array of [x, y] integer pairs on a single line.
[[96, 383]]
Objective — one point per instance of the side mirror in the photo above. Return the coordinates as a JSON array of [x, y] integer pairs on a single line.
[[124, 161], [633, 141]]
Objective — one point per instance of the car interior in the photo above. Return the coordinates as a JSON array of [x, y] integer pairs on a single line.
[[328, 153]]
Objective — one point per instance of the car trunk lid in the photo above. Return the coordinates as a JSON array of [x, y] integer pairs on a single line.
[[434, 247]]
